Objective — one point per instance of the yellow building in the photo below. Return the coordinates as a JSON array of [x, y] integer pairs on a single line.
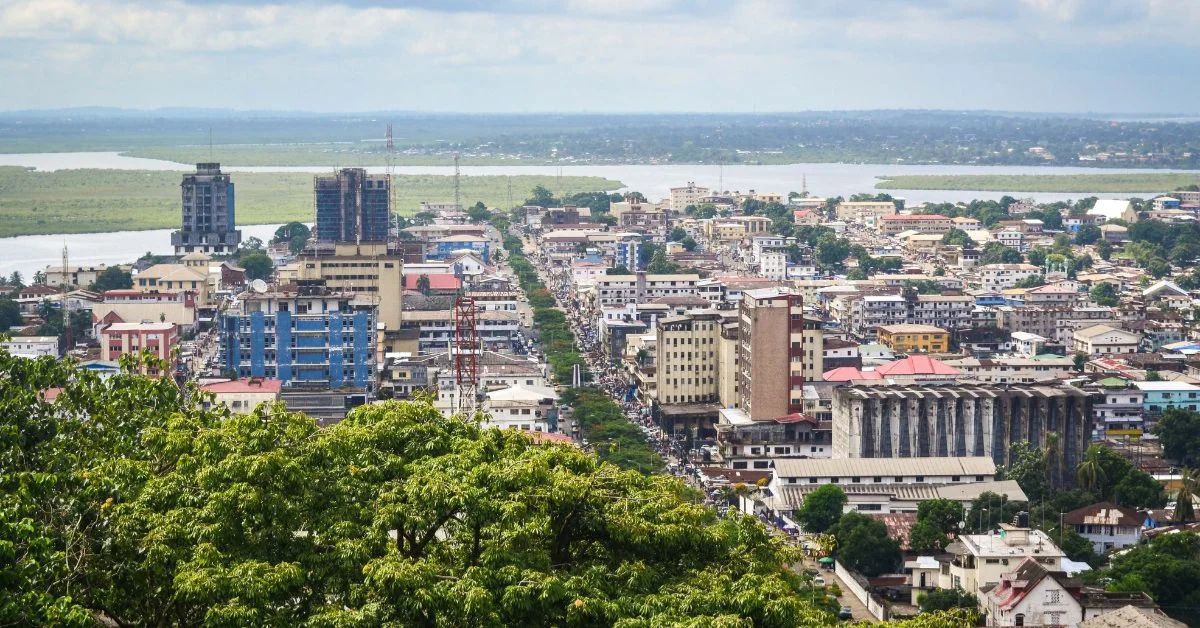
[[360, 268], [174, 278], [914, 338]]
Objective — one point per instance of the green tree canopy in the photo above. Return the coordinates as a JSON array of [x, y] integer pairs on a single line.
[[154, 510], [10, 314], [257, 265], [822, 508], [863, 545], [1178, 429], [1088, 234], [1104, 294], [296, 235], [689, 243], [946, 599], [677, 234], [996, 253], [112, 278], [958, 237]]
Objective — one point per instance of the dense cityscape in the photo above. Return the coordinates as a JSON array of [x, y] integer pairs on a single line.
[[999, 396], [599, 314]]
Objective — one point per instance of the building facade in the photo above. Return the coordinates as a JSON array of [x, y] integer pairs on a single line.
[[209, 223], [310, 338], [902, 421], [914, 338], [352, 206], [770, 373], [686, 358]]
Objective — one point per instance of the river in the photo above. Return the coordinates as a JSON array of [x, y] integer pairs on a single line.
[[31, 253]]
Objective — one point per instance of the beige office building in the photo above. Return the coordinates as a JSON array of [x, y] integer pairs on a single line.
[[687, 359], [360, 268]]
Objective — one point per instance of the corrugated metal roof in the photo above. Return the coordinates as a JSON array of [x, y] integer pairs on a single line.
[[894, 467]]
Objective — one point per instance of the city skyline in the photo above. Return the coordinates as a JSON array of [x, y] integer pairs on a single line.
[[612, 56]]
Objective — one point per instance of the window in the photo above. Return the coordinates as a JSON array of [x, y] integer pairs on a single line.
[[1020, 619], [1053, 596], [920, 478]]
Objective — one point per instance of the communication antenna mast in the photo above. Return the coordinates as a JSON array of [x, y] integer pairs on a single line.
[[510, 202], [466, 345], [457, 200], [391, 167], [66, 310], [803, 186]]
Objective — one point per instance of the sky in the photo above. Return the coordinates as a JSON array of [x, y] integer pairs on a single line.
[[1112, 56]]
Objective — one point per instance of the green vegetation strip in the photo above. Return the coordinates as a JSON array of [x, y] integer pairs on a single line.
[[616, 439], [96, 201], [1136, 182]]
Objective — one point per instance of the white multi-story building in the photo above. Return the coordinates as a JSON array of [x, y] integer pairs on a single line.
[[1000, 276], [689, 194], [773, 264], [1012, 238], [639, 288], [981, 560], [945, 311], [528, 408], [31, 346]]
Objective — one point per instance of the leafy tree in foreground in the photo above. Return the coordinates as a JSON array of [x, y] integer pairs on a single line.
[[155, 511]]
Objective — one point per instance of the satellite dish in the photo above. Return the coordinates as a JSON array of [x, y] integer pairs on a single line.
[[259, 286]]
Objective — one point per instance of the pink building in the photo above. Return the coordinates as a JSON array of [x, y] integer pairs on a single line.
[[121, 338]]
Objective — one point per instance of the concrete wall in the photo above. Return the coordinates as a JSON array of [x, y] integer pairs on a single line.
[[859, 590]]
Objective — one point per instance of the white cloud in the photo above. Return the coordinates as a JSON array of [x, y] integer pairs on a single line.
[[680, 55]]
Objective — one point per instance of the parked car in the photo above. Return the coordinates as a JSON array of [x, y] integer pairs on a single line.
[[845, 613]]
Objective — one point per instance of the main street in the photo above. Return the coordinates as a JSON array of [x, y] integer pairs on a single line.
[[605, 375]]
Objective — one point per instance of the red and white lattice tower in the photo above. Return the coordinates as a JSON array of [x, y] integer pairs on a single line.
[[466, 355]]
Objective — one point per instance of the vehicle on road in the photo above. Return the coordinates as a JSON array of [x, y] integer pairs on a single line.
[[844, 613]]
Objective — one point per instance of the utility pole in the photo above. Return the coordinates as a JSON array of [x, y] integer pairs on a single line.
[[457, 199]]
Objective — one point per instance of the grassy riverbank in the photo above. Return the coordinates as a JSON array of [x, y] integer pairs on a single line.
[[96, 201], [1125, 183]]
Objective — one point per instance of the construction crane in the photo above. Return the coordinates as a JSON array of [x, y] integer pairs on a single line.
[[466, 356]]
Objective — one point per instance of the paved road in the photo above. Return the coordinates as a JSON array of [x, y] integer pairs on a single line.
[[846, 598]]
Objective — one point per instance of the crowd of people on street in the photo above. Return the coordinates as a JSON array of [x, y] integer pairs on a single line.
[[615, 382]]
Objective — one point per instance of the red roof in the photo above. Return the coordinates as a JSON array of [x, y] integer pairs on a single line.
[[245, 386], [914, 217], [849, 373], [437, 281], [795, 417], [917, 365], [50, 394]]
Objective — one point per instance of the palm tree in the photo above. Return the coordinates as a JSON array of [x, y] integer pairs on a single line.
[[1090, 473], [1184, 508]]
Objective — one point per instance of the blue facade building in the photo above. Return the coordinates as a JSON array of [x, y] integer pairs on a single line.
[[310, 338], [444, 248], [628, 253], [352, 206]]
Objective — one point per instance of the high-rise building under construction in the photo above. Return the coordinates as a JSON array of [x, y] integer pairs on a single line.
[[352, 206], [208, 221]]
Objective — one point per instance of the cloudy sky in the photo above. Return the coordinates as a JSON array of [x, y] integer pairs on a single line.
[[602, 55]]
